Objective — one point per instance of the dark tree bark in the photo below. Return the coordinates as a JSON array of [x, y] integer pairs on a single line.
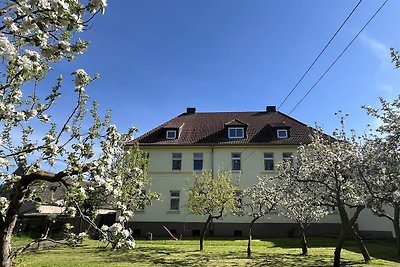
[[347, 226], [338, 248], [250, 237], [203, 232], [304, 245], [396, 226], [17, 196], [361, 245], [7, 227]]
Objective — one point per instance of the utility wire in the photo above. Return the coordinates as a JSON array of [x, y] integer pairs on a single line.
[[340, 55], [319, 55]]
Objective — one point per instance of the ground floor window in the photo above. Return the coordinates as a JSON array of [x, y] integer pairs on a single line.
[[174, 204]]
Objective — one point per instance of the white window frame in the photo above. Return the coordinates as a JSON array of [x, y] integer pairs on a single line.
[[288, 158], [141, 207], [169, 132], [176, 157], [280, 131], [198, 157], [174, 197], [269, 156], [236, 156], [239, 199], [332, 210], [235, 135]]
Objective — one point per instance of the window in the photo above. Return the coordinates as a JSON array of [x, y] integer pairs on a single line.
[[282, 133], [176, 161], [195, 232], [236, 133], [171, 134], [237, 233], [269, 161], [174, 205], [332, 210], [238, 198], [141, 205], [198, 161], [235, 161], [288, 157]]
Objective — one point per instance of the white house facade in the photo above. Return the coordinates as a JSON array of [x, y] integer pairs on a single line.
[[249, 144]]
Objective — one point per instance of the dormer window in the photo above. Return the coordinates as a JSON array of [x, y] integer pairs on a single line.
[[282, 133], [236, 132], [171, 134]]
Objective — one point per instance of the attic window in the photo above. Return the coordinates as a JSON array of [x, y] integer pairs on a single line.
[[171, 134], [235, 132], [282, 133]]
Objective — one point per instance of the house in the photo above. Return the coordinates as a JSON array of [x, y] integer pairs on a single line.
[[40, 213], [249, 144]]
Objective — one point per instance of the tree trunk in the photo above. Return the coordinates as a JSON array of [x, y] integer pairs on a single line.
[[203, 232], [249, 240], [361, 245], [396, 226], [304, 245], [338, 249], [7, 227], [347, 225], [6, 256]]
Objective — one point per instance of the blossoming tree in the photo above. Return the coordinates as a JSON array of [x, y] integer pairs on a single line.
[[382, 160], [212, 197], [259, 200], [330, 170], [295, 201], [35, 35]]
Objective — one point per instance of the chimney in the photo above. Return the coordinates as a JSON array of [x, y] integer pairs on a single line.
[[190, 110], [271, 109]]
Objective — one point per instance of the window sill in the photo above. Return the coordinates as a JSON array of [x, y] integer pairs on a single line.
[[139, 211], [270, 171], [173, 212]]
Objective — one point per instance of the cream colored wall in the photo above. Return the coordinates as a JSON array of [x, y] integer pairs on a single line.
[[163, 179], [252, 165], [370, 222]]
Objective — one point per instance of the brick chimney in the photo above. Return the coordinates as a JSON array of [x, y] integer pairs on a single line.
[[271, 109], [190, 110]]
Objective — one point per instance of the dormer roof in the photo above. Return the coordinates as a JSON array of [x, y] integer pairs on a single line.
[[236, 122]]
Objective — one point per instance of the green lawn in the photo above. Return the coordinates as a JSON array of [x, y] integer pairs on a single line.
[[272, 252]]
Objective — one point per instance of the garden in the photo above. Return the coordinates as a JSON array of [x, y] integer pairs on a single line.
[[271, 252]]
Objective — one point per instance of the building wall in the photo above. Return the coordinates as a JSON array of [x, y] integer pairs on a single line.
[[164, 180]]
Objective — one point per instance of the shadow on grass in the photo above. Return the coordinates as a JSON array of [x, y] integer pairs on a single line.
[[166, 256], [378, 249], [272, 252]]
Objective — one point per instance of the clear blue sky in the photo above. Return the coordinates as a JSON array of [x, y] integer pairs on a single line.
[[158, 57]]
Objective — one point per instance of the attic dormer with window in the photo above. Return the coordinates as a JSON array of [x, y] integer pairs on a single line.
[[172, 132], [281, 130], [236, 129]]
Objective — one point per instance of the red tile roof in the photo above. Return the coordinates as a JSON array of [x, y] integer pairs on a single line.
[[210, 128]]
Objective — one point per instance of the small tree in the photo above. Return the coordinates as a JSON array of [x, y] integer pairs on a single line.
[[262, 198], [211, 197], [296, 202]]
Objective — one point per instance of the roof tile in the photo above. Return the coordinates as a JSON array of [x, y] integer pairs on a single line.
[[210, 128]]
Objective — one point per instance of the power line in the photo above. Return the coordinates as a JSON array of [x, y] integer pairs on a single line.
[[319, 55], [340, 55]]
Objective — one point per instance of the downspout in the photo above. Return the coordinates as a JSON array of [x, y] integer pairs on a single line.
[[212, 161]]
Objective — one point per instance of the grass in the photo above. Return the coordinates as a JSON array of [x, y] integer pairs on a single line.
[[272, 252]]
